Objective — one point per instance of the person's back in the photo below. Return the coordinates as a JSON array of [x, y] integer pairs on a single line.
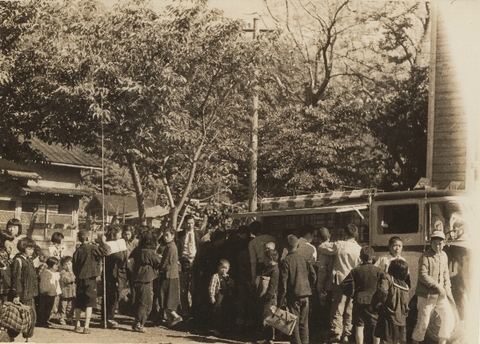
[[346, 257], [361, 283], [294, 289], [391, 300]]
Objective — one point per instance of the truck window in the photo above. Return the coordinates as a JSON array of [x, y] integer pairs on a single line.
[[398, 219], [449, 217]]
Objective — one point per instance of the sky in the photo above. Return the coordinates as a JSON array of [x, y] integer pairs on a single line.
[[236, 9]]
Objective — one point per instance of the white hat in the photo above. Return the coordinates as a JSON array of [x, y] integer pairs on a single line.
[[438, 234]]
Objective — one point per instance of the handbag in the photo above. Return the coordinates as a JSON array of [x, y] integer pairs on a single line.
[[281, 319], [16, 316]]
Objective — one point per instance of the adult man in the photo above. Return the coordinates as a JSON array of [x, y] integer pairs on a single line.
[[346, 256], [305, 248], [296, 276], [256, 249], [189, 239]]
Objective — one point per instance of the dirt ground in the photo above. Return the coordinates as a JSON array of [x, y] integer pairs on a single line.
[[122, 334]]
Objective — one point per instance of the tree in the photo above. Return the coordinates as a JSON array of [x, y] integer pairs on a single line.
[[16, 113], [153, 88]]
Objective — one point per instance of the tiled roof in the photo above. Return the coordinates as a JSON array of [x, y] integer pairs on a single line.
[[56, 191], [117, 204], [58, 155]]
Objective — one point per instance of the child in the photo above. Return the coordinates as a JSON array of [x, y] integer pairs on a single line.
[[433, 291], [49, 289], [361, 284], [220, 289], [6, 242], [391, 300], [24, 286], [115, 276], [268, 297], [67, 298], [169, 297], [395, 246], [145, 262], [56, 249], [14, 226], [86, 267]]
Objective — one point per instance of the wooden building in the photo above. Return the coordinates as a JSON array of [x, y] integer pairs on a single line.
[[45, 196], [454, 118], [124, 208]]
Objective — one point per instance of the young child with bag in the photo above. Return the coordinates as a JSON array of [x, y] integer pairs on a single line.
[[267, 292], [24, 286], [6, 242]]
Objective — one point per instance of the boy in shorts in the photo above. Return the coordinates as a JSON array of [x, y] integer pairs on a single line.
[[87, 268], [361, 284]]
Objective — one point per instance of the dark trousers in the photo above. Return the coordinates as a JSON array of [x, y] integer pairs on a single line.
[[299, 307], [143, 302], [111, 297], [45, 308]]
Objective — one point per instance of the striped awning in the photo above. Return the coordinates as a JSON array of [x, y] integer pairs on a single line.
[[314, 200]]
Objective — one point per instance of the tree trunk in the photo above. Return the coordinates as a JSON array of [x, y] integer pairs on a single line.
[[132, 166]]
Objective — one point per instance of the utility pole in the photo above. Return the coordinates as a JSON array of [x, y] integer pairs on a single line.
[[252, 193], [252, 184]]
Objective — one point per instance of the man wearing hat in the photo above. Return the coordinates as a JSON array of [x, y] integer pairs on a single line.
[[433, 290]]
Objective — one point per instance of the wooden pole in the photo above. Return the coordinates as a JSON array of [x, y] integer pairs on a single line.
[[252, 186]]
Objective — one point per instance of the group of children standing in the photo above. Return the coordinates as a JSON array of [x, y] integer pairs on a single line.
[[376, 292]]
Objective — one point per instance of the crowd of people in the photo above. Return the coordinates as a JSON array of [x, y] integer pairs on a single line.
[[225, 281]]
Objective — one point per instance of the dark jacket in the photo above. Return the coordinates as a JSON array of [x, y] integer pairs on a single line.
[[391, 299], [361, 283], [86, 260], [296, 277], [169, 263], [24, 278], [272, 290], [116, 266], [145, 264]]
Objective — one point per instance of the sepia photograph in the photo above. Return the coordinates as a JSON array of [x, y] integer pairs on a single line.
[[240, 171]]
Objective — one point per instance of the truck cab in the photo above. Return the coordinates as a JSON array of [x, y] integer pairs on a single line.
[[413, 215]]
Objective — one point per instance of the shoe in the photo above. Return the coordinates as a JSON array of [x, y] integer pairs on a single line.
[[45, 325], [176, 321], [112, 323], [86, 331], [335, 338], [77, 329], [62, 322], [139, 329]]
